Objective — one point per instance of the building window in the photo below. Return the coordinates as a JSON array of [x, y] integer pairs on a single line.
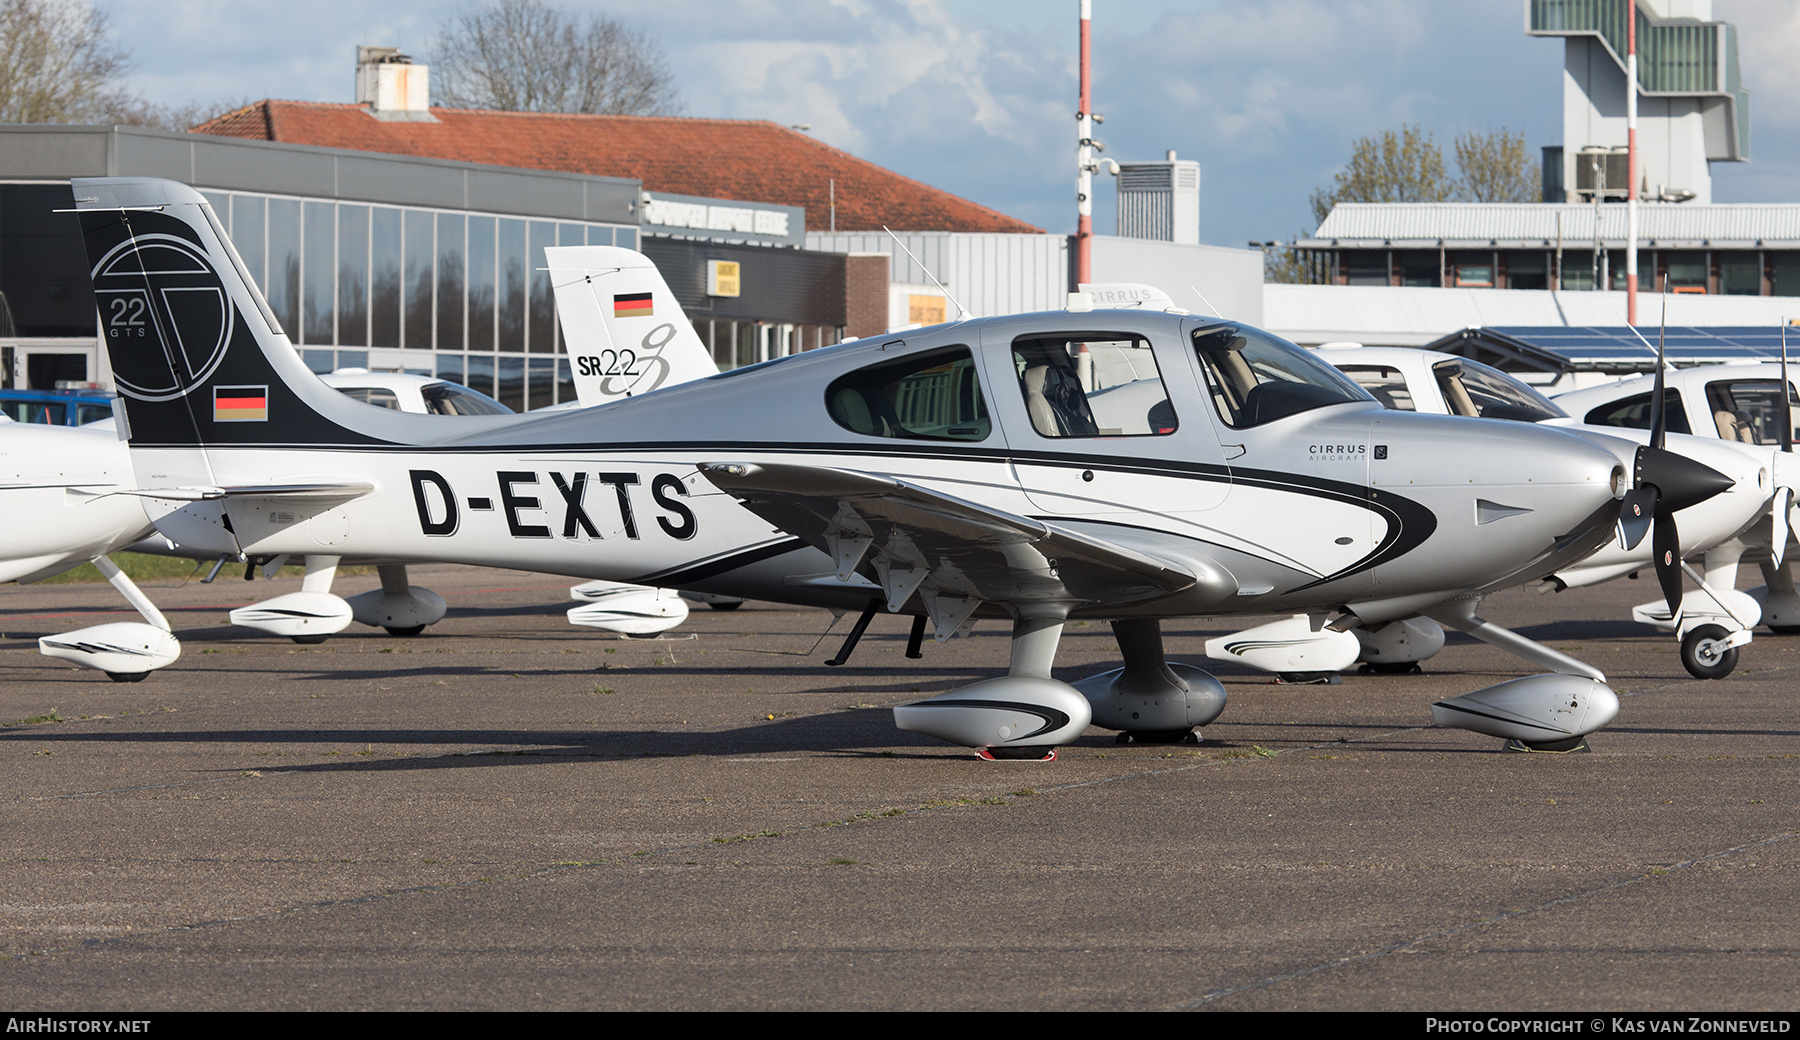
[[1528, 269], [1473, 270], [1687, 272], [1740, 274], [1365, 266], [1785, 271], [1418, 267]]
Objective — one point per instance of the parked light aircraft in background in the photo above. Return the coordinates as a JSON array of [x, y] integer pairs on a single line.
[[956, 472], [1743, 404], [1408, 379], [63, 492]]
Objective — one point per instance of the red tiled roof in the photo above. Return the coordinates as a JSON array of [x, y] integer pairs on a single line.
[[748, 160]]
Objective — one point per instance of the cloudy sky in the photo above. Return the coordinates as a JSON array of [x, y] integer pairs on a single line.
[[978, 96]]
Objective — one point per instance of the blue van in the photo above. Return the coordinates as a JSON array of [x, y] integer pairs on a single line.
[[56, 407]]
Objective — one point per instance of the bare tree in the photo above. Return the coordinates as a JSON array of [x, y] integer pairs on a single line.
[[1497, 168], [57, 64], [1407, 166], [526, 56]]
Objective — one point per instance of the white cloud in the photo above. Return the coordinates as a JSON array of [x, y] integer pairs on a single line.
[[976, 96]]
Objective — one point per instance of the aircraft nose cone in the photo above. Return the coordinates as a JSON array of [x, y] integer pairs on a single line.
[[1680, 481]]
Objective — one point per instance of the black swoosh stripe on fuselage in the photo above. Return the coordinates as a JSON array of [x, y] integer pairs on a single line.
[[1402, 537]]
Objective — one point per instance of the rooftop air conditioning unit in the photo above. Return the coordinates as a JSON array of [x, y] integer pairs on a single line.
[[1160, 200]]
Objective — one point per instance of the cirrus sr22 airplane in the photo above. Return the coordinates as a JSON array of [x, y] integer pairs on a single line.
[[953, 473]]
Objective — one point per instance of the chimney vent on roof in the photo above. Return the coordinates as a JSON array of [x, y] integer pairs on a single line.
[[395, 89]]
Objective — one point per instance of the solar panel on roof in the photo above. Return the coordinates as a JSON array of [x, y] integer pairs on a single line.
[[1613, 346]]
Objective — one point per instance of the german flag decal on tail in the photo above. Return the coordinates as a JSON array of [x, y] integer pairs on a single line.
[[240, 404], [632, 305]]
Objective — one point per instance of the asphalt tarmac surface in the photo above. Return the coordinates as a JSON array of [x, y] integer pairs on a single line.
[[508, 812]]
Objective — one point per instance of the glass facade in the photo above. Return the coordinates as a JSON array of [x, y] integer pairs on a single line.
[[463, 296]]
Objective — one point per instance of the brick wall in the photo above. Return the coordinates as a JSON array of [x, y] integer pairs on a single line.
[[865, 294]]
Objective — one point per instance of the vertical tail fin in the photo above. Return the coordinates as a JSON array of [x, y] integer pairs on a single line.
[[198, 356], [625, 333]]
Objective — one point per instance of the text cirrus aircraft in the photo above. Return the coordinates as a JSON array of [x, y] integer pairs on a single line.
[[955, 473]]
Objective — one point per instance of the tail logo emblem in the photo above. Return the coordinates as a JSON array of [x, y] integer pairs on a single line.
[[159, 294]]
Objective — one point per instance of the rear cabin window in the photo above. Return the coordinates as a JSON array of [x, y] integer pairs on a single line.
[[456, 399], [1092, 385], [934, 396], [1634, 413], [376, 396], [1387, 385]]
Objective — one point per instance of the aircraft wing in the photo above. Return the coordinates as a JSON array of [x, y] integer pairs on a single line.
[[952, 553]]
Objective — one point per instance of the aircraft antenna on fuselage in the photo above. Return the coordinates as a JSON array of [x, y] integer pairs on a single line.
[[1209, 304], [961, 311]]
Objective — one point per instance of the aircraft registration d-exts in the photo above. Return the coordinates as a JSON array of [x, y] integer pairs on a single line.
[[524, 510], [1120, 465]]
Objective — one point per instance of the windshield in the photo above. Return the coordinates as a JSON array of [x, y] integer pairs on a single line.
[[1473, 389], [1255, 378]]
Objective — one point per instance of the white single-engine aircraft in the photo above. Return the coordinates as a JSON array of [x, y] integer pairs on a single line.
[[955, 472]]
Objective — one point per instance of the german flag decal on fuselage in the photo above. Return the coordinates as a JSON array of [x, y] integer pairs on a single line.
[[241, 403], [632, 305]]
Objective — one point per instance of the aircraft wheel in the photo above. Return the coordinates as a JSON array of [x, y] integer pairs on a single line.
[[1158, 736], [312, 640], [127, 676], [1392, 667], [404, 631], [736, 603], [1785, 630], [1701, 656]]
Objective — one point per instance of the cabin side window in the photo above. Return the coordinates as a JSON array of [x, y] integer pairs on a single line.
[[932, 396], [1748, 410], [1092, 385]]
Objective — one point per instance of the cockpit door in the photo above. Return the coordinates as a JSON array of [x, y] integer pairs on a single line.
[[1105, 422]]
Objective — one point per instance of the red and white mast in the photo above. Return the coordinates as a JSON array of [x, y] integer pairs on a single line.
[[1084, 165], [1631, 166]]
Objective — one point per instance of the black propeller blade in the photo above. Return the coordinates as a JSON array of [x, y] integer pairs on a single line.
[[1667, 545]]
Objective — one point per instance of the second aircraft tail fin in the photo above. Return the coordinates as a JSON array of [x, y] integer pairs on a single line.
[[624, 331]]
